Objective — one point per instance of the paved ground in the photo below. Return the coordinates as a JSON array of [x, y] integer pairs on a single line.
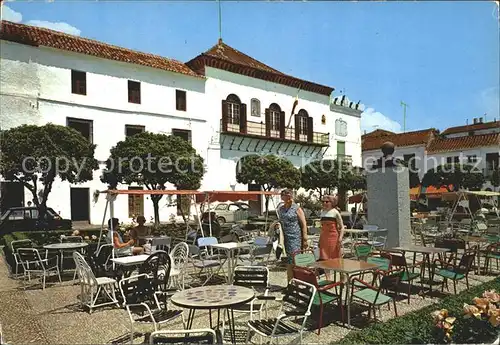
[[53, 316]]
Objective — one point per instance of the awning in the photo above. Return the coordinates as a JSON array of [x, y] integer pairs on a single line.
[[433, 192], [222, 196], [357, 198], [415, 192]]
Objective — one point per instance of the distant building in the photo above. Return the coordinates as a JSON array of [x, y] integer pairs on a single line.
[[226, 103], [476, 144]]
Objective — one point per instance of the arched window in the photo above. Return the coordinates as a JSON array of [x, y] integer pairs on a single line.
[[233, 103], [274, 116], [340, 128], [302, 122], [255, 105]]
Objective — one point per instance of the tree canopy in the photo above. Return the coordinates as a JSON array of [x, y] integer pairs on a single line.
[[268, 171], [36, 155], [325, 175], [153, 160], [459, 176]]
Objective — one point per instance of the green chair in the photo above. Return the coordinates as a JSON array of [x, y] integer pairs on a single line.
[[455, 271], [409, 275], [373, 296], [306, 258], [492, 253]]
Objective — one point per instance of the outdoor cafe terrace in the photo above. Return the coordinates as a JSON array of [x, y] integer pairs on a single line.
[[234, 288]]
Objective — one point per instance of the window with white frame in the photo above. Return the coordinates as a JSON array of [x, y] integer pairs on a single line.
[[303, 115], [472, 159], [275, 120], [340, 128], [255, 105], [233, 109]]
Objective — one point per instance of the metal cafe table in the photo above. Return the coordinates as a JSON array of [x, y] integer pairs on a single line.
[[213, 297], [230, 248], [347, 267], [61, 247], [426, 252]]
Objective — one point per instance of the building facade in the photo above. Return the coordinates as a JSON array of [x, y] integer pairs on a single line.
[[224, 102], [477, 144]]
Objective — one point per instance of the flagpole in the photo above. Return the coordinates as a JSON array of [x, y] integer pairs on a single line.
[[220, 22]]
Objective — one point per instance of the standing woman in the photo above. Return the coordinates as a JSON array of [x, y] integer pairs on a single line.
[[294, 228], [332, 230]]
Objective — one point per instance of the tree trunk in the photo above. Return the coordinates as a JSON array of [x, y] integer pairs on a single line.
[[342, 199], [156, 207]]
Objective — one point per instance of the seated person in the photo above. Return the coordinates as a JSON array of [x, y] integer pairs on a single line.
[[210, 219], [121, 248], [139, 233]]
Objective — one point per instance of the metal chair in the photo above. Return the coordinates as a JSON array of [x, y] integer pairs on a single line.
[[142, 304], [179, 259], [201, 336], [256, 278], [33, 263], [92, 287], [296, 302], [14, 246]]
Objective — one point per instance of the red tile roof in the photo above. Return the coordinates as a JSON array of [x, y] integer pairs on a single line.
[[378, 133], [35, 36], [222, 56], [473, 127], [466, 142], [370, 141]]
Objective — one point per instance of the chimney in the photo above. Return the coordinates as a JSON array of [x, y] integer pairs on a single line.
[[467, 121], [475, 120], [480, 120]]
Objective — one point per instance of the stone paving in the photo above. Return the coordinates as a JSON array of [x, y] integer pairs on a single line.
[[52, 316]]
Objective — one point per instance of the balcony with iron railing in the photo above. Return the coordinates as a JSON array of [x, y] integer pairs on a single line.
[[345, 159], [259, 130]]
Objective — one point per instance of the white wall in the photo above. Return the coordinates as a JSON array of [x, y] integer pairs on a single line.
[[36, 89], [43, 94]]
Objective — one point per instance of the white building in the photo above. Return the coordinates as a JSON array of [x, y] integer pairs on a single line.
[[477, 144], [224, 102]]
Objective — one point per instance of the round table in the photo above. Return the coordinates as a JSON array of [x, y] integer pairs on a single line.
[[65, 246], [213, 297]]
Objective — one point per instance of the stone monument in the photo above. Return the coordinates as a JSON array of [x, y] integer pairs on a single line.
[[389, 197]]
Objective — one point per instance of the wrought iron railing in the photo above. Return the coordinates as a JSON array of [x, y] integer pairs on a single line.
[[259, 130]]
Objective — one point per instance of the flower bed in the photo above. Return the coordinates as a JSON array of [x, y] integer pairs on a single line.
[[470, 325]]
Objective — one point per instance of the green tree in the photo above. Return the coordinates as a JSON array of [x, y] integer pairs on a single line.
[[459, 176], [36, 155], [153, 160], [268, 172], [324, 176], [414, 179]]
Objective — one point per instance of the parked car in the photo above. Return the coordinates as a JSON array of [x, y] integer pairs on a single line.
[[231, 212], [26, 219]]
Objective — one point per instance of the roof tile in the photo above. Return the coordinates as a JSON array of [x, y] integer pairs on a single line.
[[36, 36], [473, 127], [466, 142], [222, 56], [370, 141]]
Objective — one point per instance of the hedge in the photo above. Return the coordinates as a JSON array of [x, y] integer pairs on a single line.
[[418, 327]]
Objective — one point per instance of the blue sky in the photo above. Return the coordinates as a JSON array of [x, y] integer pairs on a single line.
[[441, 58]]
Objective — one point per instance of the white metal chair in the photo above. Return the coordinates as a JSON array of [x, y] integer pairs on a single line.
[[180, 257], [142, 304], [199, 336], [16, 244], [33, 263], [201, 262], [161, 243], [257, 279], [296, 302], [91, 287]]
